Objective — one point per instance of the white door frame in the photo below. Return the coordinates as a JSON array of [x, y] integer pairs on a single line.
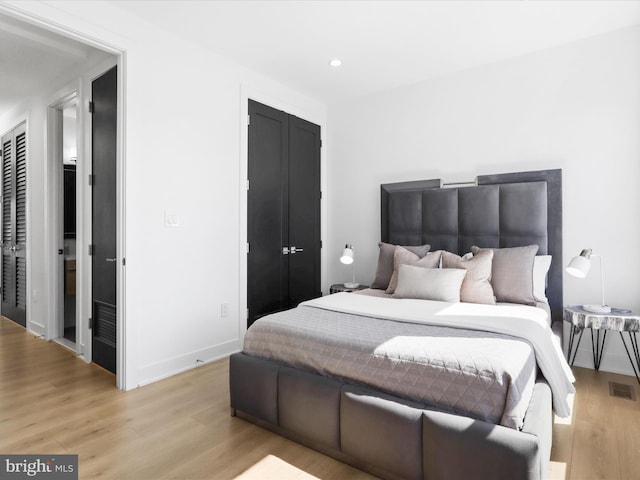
[[51, 249]]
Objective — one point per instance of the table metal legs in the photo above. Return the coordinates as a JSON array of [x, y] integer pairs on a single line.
[[633, 340], [597, 346], [574, 330]]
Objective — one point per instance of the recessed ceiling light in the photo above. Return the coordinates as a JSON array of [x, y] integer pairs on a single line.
[[336, 62]]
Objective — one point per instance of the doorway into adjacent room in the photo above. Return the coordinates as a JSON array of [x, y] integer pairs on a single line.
[[65, 139]]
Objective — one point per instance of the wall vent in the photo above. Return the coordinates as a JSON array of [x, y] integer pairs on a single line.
[[622, 390]]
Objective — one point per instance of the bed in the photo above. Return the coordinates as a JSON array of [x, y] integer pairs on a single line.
[[397, 414]]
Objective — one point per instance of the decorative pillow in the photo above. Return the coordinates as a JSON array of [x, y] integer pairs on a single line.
[[441, 284], [385, 262], [512, 273], [476, 287], [541, 265], [402, 256]]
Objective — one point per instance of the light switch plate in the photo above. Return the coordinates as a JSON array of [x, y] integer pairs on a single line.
[[171, 219]]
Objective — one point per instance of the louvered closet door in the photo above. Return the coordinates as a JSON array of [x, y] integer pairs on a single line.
[[14, 225]]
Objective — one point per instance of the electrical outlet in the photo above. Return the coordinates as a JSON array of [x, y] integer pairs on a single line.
[[224, 310]]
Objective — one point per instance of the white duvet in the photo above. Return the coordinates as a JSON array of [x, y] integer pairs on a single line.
[[529, 323]]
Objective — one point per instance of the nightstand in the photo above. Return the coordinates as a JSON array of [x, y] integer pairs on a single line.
[[618, 320], [339, 287]]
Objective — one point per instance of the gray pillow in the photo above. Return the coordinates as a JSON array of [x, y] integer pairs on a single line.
[[441, 284], [402, 256], [385, 262], [512, 273], [476, 287]]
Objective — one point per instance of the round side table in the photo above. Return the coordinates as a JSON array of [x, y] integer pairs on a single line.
[[618, 320]]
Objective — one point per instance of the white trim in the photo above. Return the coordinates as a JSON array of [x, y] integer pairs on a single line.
[[47, 24], [186, 361], [246, 93]]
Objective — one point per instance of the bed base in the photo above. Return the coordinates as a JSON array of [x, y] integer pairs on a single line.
[[388, 436]]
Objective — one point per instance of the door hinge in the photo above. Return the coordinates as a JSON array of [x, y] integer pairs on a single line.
[[248, 120], [124, 262], [90, 323], [92, 179], [92, 249], [248, 247], [320, 143], [247, 184], [247, 314], [92, 106], [320, 243]]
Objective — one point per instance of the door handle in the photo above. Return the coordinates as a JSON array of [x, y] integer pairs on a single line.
[[114, 259], [285, 250], [13, 248], [296, 249]]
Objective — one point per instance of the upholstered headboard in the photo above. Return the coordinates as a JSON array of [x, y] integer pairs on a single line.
[[505, 210]]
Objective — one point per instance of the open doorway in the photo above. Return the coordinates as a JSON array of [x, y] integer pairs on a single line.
[[51, 62], [69, 160], [64, 119]]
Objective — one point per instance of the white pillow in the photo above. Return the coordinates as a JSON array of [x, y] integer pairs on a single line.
[[541, 265], [441, 284]]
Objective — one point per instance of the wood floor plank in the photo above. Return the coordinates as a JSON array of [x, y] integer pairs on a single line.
[[180, 428]]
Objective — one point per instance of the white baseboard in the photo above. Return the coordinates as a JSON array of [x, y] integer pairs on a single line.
[[37, 329], [173, 366]]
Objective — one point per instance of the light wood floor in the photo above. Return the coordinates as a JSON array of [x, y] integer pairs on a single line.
[[180, 428]]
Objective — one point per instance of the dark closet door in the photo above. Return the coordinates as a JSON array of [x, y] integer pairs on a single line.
[[14, 225], [304, 210], [103, 131], [283, 264], [267, 215]]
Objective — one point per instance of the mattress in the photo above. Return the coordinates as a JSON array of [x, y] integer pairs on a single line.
[[484, 375]]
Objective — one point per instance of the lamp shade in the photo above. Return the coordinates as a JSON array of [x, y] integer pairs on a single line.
[[579, 266], [347, 255]]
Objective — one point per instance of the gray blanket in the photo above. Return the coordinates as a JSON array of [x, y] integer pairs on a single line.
[[488, 376]]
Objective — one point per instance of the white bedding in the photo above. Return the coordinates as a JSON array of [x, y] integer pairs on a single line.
[[529, 323]]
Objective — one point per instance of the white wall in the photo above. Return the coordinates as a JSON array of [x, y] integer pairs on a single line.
[[575, 107], [182, 153]]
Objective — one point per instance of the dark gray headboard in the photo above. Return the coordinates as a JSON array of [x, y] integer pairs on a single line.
[[505, 210]]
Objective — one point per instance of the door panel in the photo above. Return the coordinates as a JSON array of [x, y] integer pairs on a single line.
[[304, 210], [267, 285], [14, 225], [283, 211], [104, 309]]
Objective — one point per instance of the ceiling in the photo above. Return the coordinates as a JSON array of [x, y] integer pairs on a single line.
[[32, 59], [383, 44]]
